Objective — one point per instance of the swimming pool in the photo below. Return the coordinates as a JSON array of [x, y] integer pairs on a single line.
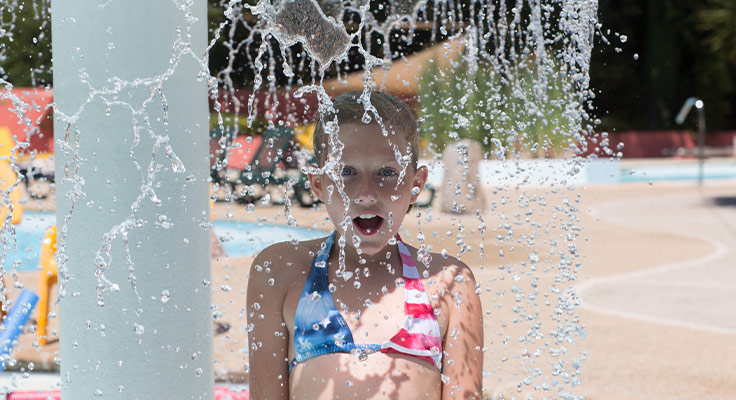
[[245, 238], [560, 172], [238, 238], [677, 172]]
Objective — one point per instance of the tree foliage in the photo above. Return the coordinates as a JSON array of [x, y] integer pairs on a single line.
[[25, 42], [717, 19], [659, 53], [473, 101]]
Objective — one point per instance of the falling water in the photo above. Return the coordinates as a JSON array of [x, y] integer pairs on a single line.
[[512, 75]]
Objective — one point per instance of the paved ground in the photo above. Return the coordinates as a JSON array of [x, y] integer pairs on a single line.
[[657, 292], [657, 318]]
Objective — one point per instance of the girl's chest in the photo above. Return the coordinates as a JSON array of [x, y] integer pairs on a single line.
[[373, 311]]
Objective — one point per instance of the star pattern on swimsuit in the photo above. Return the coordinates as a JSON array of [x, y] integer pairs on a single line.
[[305, 342]]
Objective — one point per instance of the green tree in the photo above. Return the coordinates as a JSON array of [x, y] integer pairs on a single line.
[[717, 19], [473, 101], [25, 44]]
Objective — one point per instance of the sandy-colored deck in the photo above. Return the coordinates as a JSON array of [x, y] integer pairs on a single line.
[[656, 285]]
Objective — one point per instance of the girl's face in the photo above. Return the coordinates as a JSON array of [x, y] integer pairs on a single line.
[[370, 174]]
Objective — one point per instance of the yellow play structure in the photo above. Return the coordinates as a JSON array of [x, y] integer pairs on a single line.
[[47, 278], [8, 177]]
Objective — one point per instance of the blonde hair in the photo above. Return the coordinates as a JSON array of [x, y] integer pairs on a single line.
[[394, 113]]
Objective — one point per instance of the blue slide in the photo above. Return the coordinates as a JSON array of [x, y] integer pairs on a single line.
[[14, 323]]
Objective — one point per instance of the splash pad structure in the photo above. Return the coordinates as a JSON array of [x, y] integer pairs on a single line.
[[131, 135], [132, 169]]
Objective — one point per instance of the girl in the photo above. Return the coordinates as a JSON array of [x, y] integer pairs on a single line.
[[400, 330]]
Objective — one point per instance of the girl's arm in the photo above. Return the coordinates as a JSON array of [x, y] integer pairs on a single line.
[[268, 337], [462, 360]]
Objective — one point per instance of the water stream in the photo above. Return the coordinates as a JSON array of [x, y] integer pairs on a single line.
[[511, 75]]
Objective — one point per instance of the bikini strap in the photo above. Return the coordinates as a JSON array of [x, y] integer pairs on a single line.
[[409, 265], [317, 278], [420, 333]]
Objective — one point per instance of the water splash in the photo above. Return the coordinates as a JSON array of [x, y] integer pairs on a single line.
[[523, 91]]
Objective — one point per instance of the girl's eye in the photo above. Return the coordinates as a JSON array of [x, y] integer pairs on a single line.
[[387, 173], [347, 171]]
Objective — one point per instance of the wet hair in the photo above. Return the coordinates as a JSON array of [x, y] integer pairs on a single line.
[[395, 115]]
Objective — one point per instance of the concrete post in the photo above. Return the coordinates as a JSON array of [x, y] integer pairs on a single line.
[[131, 150]]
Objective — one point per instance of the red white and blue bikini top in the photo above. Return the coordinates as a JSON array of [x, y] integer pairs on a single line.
[[320, 329]]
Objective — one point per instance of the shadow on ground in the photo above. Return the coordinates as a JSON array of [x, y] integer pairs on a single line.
[[724, 201]]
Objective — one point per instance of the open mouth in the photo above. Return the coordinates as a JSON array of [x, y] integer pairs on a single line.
[[367, 224]]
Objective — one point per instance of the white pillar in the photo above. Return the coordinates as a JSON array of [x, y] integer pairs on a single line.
[[154, 342]]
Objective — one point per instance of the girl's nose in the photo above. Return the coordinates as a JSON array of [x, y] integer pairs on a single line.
[[365, 194], [364, 198]]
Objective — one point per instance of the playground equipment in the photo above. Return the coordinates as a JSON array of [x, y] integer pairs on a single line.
[[47, 277], [14, 323], [8, 178]]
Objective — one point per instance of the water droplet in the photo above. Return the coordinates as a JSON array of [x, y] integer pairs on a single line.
[[356, 284], [349, 382], [316, 296], [165, 296], [198, 372], [271, 281], [415, 190]]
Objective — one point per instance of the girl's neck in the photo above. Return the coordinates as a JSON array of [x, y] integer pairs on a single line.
[[387, 255]]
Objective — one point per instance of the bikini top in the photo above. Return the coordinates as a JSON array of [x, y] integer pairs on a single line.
[[320, 329]]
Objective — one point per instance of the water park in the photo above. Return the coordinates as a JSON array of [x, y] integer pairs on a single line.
[[166, 145]]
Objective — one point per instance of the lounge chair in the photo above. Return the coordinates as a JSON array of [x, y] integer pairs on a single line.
[[254, 164]]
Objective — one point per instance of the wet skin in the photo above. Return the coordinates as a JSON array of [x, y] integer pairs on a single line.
[[374, 311]]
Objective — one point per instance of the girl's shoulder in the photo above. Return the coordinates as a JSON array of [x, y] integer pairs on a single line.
[[443, 269]]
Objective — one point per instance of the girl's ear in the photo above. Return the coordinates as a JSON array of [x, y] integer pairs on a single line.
[[315, 185], [420, 179]]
